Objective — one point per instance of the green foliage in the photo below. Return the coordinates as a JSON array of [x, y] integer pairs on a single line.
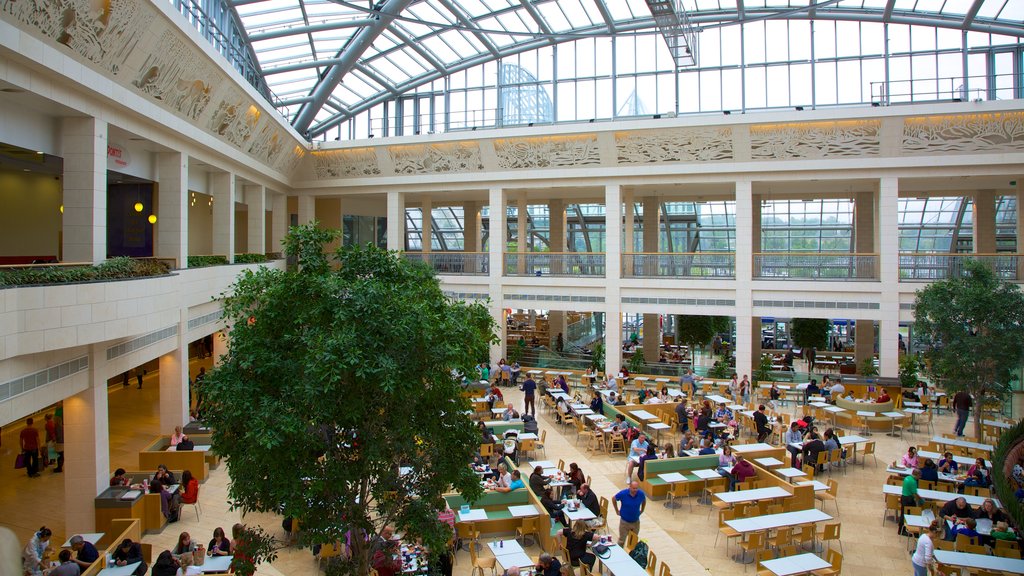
[[119, 268], [636, 361], [909, 367], [867, 368], [721, 368], [338, 374], [697, 331], [250, 258], [810, 332], [1004, 486], [516, 353], [597, 358], [204, 261], [972, 328], [254, 543], [763, 373]]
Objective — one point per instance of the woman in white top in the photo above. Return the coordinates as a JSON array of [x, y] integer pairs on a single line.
[[923, 559]]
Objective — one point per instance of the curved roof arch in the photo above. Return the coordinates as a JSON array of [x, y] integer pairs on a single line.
[[328, 60]]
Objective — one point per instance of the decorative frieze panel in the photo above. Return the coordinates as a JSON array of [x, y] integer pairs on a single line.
[[442, 158], [815, 140], [135, 45], [347, 162], [964, 133], [681, 145], [547, 151]]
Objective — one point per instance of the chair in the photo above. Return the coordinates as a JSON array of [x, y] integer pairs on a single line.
[[892, 502], [752, 543], [835, 458], [604, 515], [760, 557], [665, 570], [808, 471], [618, 444], [596, 442], [631, 540], [327, 551], [652, 562], [963, 540], [972, 549], [561, 465], [1007, 549], [725, 530], [787, 551], [830, 533], [832, 494], [528, 527], [804, 535], [943, 545], [783, 537], [679, 490], [487, 452], [836, 560], [581, 429], [469, 534], [293, 535], [869, 450], [543, 438], [195, 505], [710, 492], [479, 564], [528, 447], [568, 420]]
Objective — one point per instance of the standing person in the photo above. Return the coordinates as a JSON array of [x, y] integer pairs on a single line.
[[51, 432], [812, 355], [629, 504], [33, 556], [761, 424], [29, 438], [745, 388], [923, 557], [962, 403], [139, 373], [58, 437], [124, 379], [529, 395]]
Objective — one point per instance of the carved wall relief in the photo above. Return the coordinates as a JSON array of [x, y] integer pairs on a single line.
[[815, 140], [547, 151], [436, 158], [680, 145]]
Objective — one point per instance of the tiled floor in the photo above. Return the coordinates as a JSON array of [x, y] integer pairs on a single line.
[[686, 540]]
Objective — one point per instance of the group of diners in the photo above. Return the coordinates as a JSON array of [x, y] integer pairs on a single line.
[[173, 493]]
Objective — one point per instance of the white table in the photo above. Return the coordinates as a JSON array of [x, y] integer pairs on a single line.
[[768, 462], [90, 537], [980, 561], [527, 436], [799, 564], [214, 564], [197, 447], [939, 496], [658, 427], [706, 475], [789, 473], [818, 486], [503, 547], [524, 511], [583, 411], [542, 464], [743, 448], [472, 516], [773, 521], [119, 570], [643, 415], [914, 404], [752, 495], [718, 399], [672, 477], [619, 563], [997, 424], [581, 513], [961, 443]]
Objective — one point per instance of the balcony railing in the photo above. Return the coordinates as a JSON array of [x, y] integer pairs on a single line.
[[920, 267], [680, 265], [456, 263], [554, 264], [816, 266]]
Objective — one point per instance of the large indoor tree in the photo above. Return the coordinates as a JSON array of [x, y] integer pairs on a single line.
[[810, 332], [973, 329], [338, 403], [696, 331]]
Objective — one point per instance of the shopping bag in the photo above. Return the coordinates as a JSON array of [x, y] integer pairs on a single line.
[[19, 461]]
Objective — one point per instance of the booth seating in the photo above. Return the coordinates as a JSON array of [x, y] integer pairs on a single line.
[[655, 487], [147, 509], [501, 426], [199, 462], [850, 419], [500, 520], [115, 533]]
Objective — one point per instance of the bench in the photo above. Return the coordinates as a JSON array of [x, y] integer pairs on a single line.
[[196, 461], [655, 487], [116, 532]]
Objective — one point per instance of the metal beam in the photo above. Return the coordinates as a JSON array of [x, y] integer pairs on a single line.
[[741, 9], [888, 10], [350, 54], [301, 66], [297, 30], [972, 13], [418, 48], [373, 75], [468, 22], [536, 16], [608, 20]]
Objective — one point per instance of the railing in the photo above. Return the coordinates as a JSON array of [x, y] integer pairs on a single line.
[[679, 265], [920, 267], [585, 331], [814, 265], [952, 88], [554, 264], [455, 263]]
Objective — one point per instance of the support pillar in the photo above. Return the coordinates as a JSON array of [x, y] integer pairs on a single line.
[[629, 237], [864, 341], [256, 200], [471, 238], [864, 233], [984, 222], [307, 209], [652, 338], [278, 222], [427, 225], [748, 241], [496, 245], [887, 245], [557, 325], [220, 346], [222, 187], [84, 183], [86, 450], [651, 225], [613, 290], [174, 385], [172, 207], [1020, 234], [396, 220], [522, 234]]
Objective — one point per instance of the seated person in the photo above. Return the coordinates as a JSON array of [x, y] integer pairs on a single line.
[[955, 509], [517, 483], [930, 471], [811, 390], [688, 442], [812, 447], [966, 526], [990, 511], [386, 561], [553, 506], [538, 482], [185, 444], [129, 552], [189, 488], [597, 404], [548, 566], [66, 566], [177, 436], [219, 544], [947, 464], [651, 454], [163, 476], [883, 397], [909, 460], [742, 470], [1000, 531], [977, 474], [120, 478], [576, 540], [85, 552], [705, 447], [576, 476], [589, 499], [620, 425], [184, 546]]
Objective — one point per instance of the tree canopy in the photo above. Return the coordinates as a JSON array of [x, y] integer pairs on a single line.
[[339, 374], [697, 331], [808, 332], [973, 330]]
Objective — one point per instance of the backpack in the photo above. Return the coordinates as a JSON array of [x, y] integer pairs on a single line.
[[639, 553], [632, 434]]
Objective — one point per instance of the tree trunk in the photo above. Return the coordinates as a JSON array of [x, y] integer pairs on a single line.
[[978, 414]]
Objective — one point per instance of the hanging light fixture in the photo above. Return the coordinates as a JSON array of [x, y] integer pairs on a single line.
[[139, 206], [152, 218]]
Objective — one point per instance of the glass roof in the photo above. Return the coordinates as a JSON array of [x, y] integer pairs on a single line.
[[326, 61]]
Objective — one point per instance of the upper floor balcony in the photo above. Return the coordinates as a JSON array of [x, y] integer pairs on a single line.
[[699, 265], [582, 264], [926, 267], [815, 266]]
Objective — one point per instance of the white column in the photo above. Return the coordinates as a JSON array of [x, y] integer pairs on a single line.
[[307, 209], [984, 229], [471, 227], [174, 382], [396, 221], [86, 449], [222, 186], [888, 249], [498, 231], [613, 267], [628, 227], [278, 222], [172, 207], [220, 346], [427, 224], [745, 247], [84, 222], [256, 200]]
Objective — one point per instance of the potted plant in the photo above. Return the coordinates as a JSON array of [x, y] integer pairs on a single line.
[[867, 369], [909, 367]]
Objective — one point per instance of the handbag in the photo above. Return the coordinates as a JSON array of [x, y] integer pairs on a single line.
[[19, 461]]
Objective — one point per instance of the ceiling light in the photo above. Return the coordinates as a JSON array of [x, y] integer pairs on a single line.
[[139, 206], [152, 218]]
